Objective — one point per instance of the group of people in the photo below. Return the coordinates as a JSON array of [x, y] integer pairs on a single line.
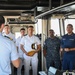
[[15, 51], [55, 47]]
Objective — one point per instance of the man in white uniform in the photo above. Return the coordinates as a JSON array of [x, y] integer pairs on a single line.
[[8, 52], [26, 46], [22, 31], [7, 33]]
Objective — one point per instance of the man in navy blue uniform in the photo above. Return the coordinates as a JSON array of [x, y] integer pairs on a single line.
[[68, 45]]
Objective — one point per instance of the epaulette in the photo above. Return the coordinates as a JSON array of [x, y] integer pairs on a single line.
[[8, 37]]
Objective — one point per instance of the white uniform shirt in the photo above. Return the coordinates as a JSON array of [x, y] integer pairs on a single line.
[[18, 40], [12, 36], [28, 41], [8, 53]]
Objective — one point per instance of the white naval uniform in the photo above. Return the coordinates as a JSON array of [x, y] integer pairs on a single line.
[[20, 52], [27, 42], [8, 53], [10, 35]]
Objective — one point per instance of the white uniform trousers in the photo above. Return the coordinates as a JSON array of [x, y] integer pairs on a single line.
[[34, 64], [20, 67]]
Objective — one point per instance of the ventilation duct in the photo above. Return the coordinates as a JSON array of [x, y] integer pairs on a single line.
[[26, 18]]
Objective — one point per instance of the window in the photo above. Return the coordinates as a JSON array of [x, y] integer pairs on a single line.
[[69, 21], [38, 26], [55, 26], [17, 34]]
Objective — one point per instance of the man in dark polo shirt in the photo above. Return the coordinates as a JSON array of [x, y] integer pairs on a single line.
[[68, 45]]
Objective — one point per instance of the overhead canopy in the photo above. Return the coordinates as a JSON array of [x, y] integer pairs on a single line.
[[21, 4], [66, 9]]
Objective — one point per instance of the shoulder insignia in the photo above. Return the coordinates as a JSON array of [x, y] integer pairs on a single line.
[[8, 37]]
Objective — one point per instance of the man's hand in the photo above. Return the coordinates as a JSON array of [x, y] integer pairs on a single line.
[[36, 51], [61, 49], [67, 49], [44, 52]]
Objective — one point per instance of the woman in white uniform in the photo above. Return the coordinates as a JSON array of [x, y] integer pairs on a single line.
[[26, 46]]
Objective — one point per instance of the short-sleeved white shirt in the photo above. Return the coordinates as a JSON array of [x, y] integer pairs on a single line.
[[28, 41], [18, 40], [12, 36], [8, 53]]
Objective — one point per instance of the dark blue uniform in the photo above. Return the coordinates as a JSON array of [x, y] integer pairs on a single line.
[[68, 41], [52, 47]]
